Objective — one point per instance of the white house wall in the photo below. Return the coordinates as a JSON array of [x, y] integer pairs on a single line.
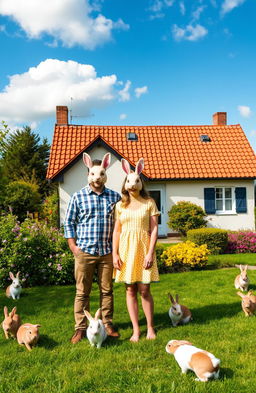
[[76, 177]]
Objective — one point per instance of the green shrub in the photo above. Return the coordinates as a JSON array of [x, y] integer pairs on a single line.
[[215, 239], [184, 256], [162, 268], [185, 216], [38, 251], [50, 209]]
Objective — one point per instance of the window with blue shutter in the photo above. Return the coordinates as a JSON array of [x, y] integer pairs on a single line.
[[209, 200], [241, 202]]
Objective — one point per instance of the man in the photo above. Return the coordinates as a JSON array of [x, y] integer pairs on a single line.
[[88, 227]]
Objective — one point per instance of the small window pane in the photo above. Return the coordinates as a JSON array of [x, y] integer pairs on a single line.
[[219, 205], [228, 204], [228, 193], [218, 193]]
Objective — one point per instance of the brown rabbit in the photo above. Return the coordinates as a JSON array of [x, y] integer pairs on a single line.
[[179, 314], [242, 280], [11, 323], [28, 335], [248, 303]]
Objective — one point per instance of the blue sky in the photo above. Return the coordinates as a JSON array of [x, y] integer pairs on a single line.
[[141, 62]]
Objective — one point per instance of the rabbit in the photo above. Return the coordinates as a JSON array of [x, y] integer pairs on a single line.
[[28, 335], [242, 280], [248, 303], [14, 290], [180, 315], [97, 173], [204, 364], [133, 180], [95, 332], [11, 323]]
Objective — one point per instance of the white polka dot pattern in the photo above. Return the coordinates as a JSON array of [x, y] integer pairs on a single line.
[[134, 243]]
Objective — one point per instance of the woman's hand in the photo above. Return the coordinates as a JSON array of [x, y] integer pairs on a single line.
[[117, 263], [148, 261]]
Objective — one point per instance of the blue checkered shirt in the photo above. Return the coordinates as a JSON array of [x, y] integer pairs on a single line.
[[90, 219]]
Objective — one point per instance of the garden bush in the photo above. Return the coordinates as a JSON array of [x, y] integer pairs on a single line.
[[162, 267], [185, 256], [241, 242], [185, 216], [38, 251], [215, 239], [50, 209]]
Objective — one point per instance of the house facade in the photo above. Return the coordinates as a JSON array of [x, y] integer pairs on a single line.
[[212, 166]]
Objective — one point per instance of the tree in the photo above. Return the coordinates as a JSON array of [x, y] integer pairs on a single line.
[[25, 157], [4, 130]]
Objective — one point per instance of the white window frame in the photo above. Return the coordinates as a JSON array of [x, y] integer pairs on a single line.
[[224, 211]]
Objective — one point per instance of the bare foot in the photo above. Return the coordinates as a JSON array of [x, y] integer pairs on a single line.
[[135, 337], [151, 335]]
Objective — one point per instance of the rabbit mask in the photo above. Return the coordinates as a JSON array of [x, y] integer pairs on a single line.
[[133, 181], [97, 173]]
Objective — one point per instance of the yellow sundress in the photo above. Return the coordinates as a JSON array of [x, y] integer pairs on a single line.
[[134, 243]]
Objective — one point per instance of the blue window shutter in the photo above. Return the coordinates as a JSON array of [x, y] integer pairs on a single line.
[[209, 200], [241, 202]]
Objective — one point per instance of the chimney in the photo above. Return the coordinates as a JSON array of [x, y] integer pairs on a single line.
[[62, 115], [219, 119]]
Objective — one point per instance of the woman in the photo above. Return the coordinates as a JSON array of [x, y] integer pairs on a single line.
[[134, 239]]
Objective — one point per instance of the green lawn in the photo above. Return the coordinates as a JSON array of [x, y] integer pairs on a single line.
[[55, 365]]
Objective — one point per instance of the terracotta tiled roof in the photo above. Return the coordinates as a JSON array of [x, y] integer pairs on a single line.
[[170, 152]]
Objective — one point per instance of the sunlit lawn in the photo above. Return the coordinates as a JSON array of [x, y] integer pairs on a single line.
[[55, 365]]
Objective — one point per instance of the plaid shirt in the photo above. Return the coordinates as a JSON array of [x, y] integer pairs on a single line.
[[90, 219]]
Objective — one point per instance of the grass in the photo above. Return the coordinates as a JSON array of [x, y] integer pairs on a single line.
[[55, 365], [225, 260]]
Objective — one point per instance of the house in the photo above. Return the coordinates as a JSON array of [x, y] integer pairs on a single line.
[[213, 165]]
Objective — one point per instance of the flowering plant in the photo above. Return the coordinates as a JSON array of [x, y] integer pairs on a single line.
[[241, 242]]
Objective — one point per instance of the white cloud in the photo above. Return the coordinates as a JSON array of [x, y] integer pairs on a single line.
[[229, 5], [33, 95], [189, 33], [157, 7], [67, 21], [182, 8], [244, 111], [196, 14], [141, 90], [123, 116], [124, 93]]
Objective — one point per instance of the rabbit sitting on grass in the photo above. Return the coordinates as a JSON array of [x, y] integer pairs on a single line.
[[14, 290], [96, 332]]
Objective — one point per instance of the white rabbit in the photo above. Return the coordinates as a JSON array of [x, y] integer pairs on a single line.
[[97, 173], [11, 323], [14, 290], [133, 181], [95, 332], [204, 364], [178, 313], [242, 280]]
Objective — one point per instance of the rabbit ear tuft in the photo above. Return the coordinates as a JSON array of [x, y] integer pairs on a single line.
[[106, 161], [88, 315], [139, 166], [11, 275], [87, 160], [13, 312], [177, 298], [126, 166], [17, 275], [98, 314], [171, 298]]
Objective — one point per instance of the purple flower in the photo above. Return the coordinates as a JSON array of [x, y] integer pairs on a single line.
[[4, 241], [59, 267], [25, 239], [23, 279]]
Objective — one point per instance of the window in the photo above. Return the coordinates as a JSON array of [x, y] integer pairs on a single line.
[[224, 200]]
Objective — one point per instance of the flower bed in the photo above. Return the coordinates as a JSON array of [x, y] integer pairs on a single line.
[[241, 242]]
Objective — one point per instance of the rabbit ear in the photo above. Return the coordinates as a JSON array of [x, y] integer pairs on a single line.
[[98, 314], [37, 325], [245, 268], [241, 268], [139, 166], [126, 166], [240, 294], [13, 312], [11, 275], [17, 275], [171, 298], [177, 298], [106, 161], [184, 342], [6, 312], [88, 315], [87, 160]]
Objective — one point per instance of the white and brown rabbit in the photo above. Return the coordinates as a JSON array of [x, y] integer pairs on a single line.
[[96, 332], [14, 290], [28, 335], [179, 314], [248, 303], [11, 323], [133, 181], [204, 364], [97, 173], [242, 280]]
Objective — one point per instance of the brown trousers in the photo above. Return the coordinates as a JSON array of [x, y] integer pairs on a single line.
[[85, 265]]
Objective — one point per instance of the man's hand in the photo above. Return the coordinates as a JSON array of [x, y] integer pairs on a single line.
[[148, 261], [117, 263]]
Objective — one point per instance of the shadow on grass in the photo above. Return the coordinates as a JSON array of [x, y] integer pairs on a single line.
[[226, 373], [215, 311], [46, 342]]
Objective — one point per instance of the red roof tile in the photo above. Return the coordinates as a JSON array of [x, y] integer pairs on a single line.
[[170, 152]]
